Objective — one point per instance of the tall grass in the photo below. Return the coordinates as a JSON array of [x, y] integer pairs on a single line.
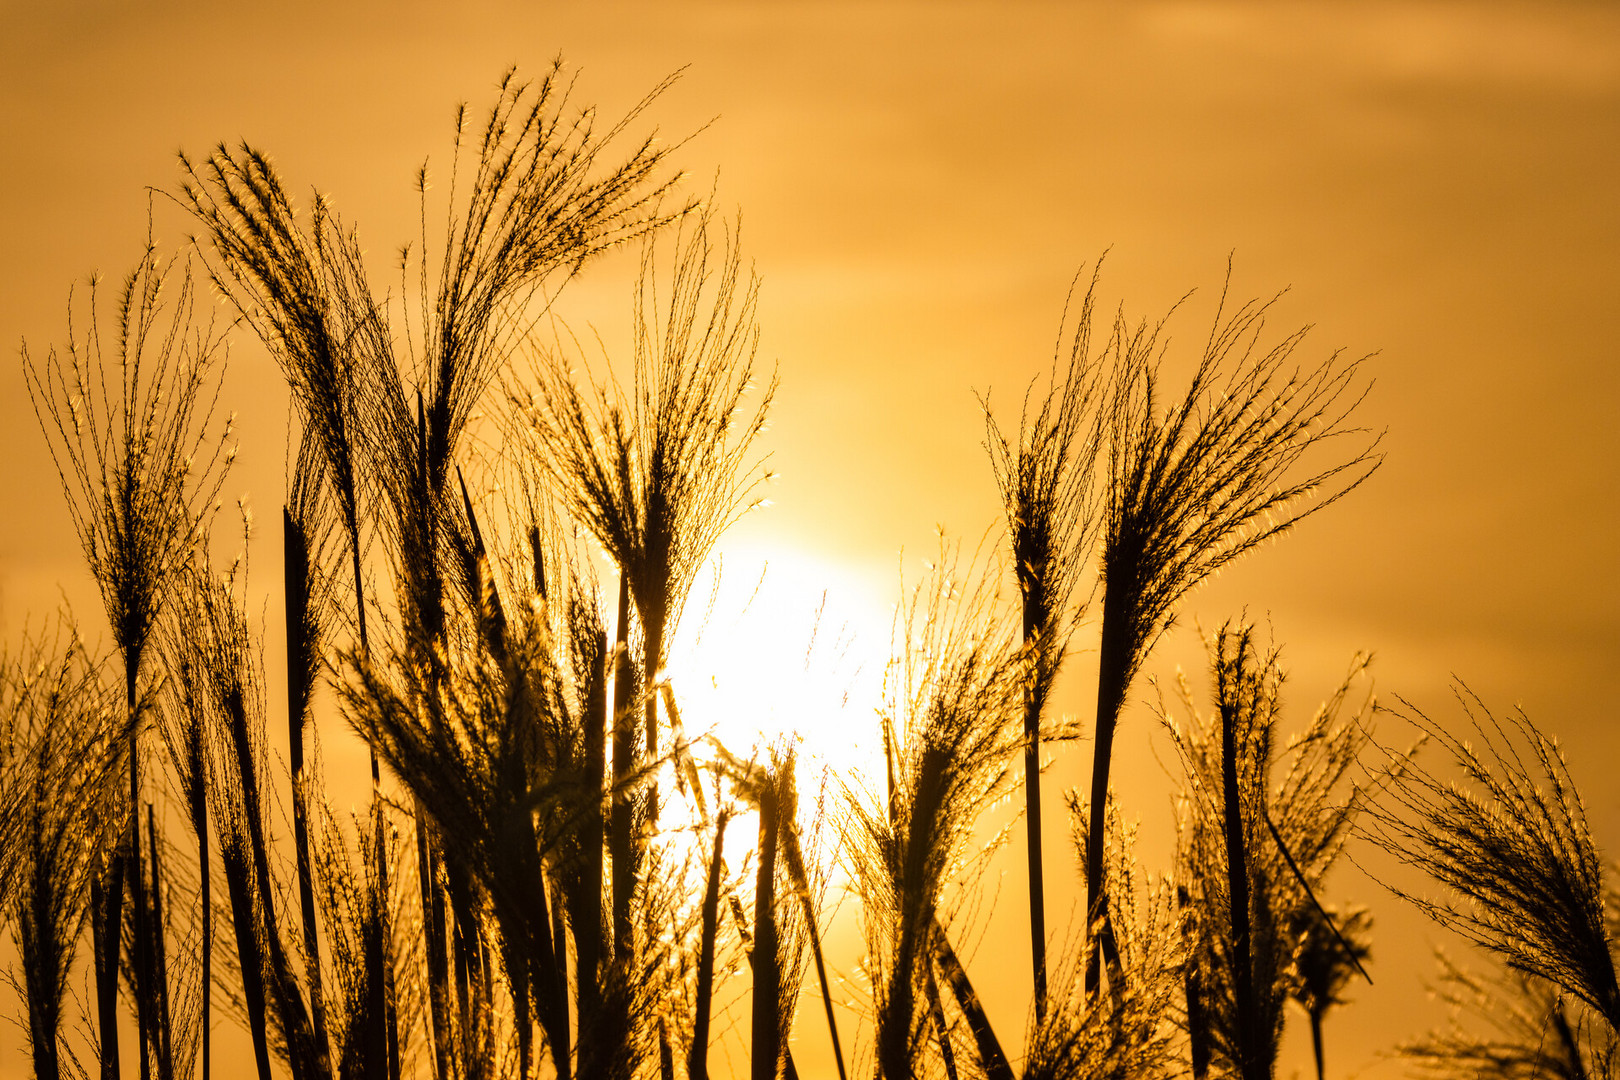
[[1246, 452], [1510, 845], [539, 885], [62, 742], [1255, 848], [951, 726], [1049, 499], [126, 419]]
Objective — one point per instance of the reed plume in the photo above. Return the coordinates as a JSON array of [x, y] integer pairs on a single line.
[[1246, 452], [1523, 1028], [1124, 1034], [542, 200], [1512, 848], [127, 423], [62, 740], [657, 475], [222, 652], [1333, 945], [1254, 850], [954, 699], [1049, 500]]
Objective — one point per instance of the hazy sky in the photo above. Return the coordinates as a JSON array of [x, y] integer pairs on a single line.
[[918, 183]]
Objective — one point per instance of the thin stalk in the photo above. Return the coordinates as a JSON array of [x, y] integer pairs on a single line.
[[136, 872], [249, 957], [793, 852], [1198, 1025], [559, 965], [1252, 1063], [620, 840], [767, 1023], [588, 941], [295, 573], [165, 1043], [107, 901], [438, 961], [1032, 820], [199, 819], [1112, 682], [942, 1031], [697, 1064], [991, 1057]]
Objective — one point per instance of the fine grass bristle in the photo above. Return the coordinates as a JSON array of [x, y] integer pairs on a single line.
[[1049, 499], [1513, 1025], [1512, 847], [1247, 451], [61, 749], [1254, 847]]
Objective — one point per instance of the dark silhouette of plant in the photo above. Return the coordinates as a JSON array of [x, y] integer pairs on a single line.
[[307, 594], [350, 902], [1254, 850], [1125, 1034], [62, 742], [1332, 947], [476, 748], [1512, 848], [1535, 1031], [697, 1062], [219, 653], [951, 725], [1048, 498], [126, 421], [1191, 487], [540, 203], [567, 915], [188, 736], [655, 475]]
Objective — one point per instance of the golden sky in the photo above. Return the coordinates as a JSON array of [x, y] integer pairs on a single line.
[[918, 183]]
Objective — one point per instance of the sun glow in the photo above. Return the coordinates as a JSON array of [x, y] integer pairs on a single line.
[[783, 651]]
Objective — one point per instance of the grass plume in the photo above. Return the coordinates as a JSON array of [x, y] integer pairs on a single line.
[[1245, 453]]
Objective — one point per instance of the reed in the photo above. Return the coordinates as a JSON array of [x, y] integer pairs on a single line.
[[523, 897], [62, 740], [127, 423], [1129, 1031], [1049, 499], [951, 726], [1511, 847], [1334, 947], [1254, 846], [1246, 452]]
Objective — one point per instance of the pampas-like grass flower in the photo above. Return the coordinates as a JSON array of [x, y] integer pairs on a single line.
[[1245, 453], [1511, 848]]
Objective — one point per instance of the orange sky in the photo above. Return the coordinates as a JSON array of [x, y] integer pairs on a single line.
[[918, 184]]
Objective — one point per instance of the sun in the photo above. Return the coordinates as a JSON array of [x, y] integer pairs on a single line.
[[789, 649]]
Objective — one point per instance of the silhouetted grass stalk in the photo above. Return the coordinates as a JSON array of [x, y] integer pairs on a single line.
[[129, 445], [60, 754], [1193, 487], [1512, 847], [1047, 496], [1254, 850]]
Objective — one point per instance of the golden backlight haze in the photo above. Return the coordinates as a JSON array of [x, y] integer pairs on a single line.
[[917, 185]]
